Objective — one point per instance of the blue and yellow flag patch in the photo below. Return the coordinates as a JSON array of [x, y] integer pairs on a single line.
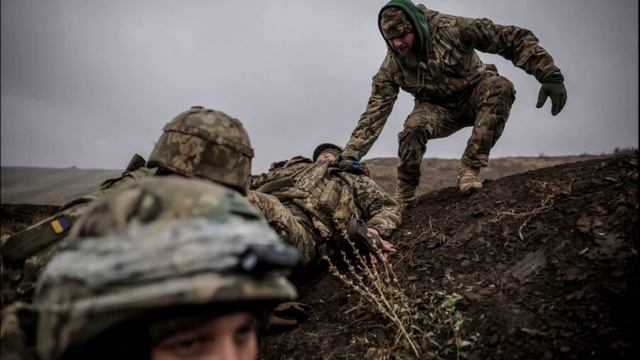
[[60, 224]]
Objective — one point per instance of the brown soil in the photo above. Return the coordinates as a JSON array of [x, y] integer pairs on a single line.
[[14, 218], [441, 173], [546, 262]]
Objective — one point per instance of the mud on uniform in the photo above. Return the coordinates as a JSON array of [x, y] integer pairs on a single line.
[[310, 206], [453, 89]]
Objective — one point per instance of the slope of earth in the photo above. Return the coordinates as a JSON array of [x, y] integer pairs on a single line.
[[539, 265], [441, 173], [49, 186]]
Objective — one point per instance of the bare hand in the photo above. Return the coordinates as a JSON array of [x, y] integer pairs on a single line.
[[383, 245]]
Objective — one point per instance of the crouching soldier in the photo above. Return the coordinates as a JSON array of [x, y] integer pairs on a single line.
[[167, 268], [198, 143], [317, 208]]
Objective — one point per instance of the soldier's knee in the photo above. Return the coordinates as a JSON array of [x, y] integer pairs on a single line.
[[413, 134], [501, 86], [413, 121]]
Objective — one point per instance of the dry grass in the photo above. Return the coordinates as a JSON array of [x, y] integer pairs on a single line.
[[429, 326], [549, 194]]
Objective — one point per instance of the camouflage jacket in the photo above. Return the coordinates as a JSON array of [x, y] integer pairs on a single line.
[[330, 198], [453, 68], [39, 242]]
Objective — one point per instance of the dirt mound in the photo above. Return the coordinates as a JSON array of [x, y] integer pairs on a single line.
[[542, 264], [441, 173]]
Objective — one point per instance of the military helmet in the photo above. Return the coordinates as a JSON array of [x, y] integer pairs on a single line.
[[208, 144], [333, 148], [165, 243]]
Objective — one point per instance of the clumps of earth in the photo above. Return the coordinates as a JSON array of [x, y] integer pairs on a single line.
[[537, 265]]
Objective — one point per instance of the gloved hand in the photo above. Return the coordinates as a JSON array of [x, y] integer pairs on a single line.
[[350, 165], [553, 87]]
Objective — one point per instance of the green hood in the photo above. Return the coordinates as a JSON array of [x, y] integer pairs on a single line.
[[421, 29]]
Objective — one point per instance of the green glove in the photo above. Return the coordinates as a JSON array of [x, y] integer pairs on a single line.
[[553, 87]]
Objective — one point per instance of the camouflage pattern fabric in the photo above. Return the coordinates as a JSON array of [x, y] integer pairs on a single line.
[[329, 200], [453, 70], [288, 227], [394, 23], [16, 332], [486, 109], [207, 144], [158, 199], [159, 244], [39, 250]]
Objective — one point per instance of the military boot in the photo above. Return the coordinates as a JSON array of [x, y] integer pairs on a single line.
[[468, 180]]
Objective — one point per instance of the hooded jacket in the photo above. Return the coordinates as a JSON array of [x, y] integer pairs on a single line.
[[421, 30], [452, 68]]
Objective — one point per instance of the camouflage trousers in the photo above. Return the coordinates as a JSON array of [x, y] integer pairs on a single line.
[[486, 108], [286, 224]]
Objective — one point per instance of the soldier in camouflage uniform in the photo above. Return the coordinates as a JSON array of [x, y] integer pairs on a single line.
[[310, 204], [165, 268], [199, 142], [433, 57]]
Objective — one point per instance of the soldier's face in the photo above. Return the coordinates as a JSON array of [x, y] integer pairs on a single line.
[[326, 156], [403, 44], [232, 336]]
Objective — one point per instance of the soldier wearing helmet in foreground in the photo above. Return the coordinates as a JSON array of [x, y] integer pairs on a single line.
[[167, 268], [316, 207], [433, 57], [200, 143]]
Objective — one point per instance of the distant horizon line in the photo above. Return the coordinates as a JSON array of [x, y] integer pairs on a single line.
[[541, 155]]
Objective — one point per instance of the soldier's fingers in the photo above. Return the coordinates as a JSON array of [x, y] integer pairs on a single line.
[[387, 246], [555, 105], [542, 98], [563, 101]]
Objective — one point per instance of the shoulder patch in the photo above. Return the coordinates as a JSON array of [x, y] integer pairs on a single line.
[[60, 224]]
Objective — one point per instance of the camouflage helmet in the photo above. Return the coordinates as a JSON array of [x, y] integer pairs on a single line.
[[326, 147], [208, 144], [165, 243]]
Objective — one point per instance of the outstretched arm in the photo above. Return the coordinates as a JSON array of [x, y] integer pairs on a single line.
[[523, 49], [380, 211], [513, 43], [383, 95]]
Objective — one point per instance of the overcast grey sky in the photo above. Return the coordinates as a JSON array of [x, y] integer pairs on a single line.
[[87, 83]]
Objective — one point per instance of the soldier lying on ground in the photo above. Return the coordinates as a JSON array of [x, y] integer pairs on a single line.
[[433, 57], [167, 268], [313, 205], [199, 142]]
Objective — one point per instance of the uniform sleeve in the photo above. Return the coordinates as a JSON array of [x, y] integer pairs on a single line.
[[380, 211], [519, 45], [384, 93]]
